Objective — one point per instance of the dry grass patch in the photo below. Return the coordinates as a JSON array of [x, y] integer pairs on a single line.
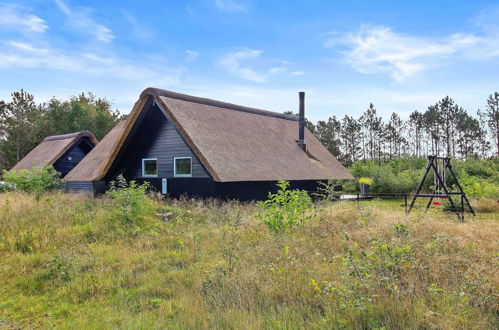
[[213, 265]]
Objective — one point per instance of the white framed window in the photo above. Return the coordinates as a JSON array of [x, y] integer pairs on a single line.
[[182, 166], [149, 167]]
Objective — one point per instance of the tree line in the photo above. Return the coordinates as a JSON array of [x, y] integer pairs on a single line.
[[24, 123], [444, 129]]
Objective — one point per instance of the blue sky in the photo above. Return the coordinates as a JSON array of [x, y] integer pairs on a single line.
[[400, 55]]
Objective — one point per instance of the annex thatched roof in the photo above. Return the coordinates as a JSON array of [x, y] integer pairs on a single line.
[[90, 167], [234, 143], [51, 149]]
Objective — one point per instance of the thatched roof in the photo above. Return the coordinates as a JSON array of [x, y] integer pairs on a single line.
[[90, 167], [234, 143], [51, 149]]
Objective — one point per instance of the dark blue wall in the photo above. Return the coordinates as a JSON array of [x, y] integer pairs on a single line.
[[85, 186], [156, 137], [77, 152], [258, 190]]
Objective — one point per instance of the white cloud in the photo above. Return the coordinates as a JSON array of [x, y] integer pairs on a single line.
[[12, 17], [191, 55], [24, 55], [80, 19], [230, 6], [375, 49], [239, 63], [25, 47], [80, 61], [298, 73]]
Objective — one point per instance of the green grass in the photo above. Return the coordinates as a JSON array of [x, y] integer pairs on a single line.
[[66, 264]]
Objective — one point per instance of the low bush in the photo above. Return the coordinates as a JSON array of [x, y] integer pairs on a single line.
[[130, 205], [36, 180], [478, 187], [285, 209]]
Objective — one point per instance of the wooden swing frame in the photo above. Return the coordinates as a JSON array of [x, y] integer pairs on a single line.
[[441, 184]]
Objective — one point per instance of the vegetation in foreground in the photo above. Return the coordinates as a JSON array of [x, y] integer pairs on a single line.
[[71, 260]]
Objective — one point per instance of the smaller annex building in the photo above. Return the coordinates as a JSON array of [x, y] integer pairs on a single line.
[[63, 152], [183, 144]]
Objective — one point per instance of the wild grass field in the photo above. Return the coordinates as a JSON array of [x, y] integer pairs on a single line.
[[74, 261]]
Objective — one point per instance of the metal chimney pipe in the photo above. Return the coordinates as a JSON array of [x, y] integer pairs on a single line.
[[301, 129]]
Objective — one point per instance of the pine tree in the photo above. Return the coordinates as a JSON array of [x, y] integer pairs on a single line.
[[492, 118], [468, 136], [449, 113], [329, 135], [351, 135], [372, 126], [432, 124], [416, 126], [395, 138], [484, 145]]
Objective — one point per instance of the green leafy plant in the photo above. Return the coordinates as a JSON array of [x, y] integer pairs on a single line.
[[35, 180], [329, 191], [478, 187], [285, 209], [130, 204]]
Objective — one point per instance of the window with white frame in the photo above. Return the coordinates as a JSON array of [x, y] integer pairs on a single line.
[[182, 166], [149, 167]]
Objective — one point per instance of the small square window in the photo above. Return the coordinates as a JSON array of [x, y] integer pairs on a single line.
[[183, 166], [149, 167]]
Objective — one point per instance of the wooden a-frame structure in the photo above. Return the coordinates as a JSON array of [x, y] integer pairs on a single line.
[[440, 167]]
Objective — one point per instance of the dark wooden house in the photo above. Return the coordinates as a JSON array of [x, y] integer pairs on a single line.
[[189, 145], [63, 152]]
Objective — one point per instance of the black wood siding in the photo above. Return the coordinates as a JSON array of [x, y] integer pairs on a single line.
[[77, 152], [79, 186], [258, 190], [192, 187], [94, 187], [155, 137]]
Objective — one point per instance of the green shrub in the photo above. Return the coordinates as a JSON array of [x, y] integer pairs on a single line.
[[484, 169], [36, 180], [130, 205], [479, 178], [285, 209], [478, 187], [398, 176]]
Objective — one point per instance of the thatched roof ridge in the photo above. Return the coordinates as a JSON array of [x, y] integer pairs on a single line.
[[156, 92], [51, 149], [76, 135]]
